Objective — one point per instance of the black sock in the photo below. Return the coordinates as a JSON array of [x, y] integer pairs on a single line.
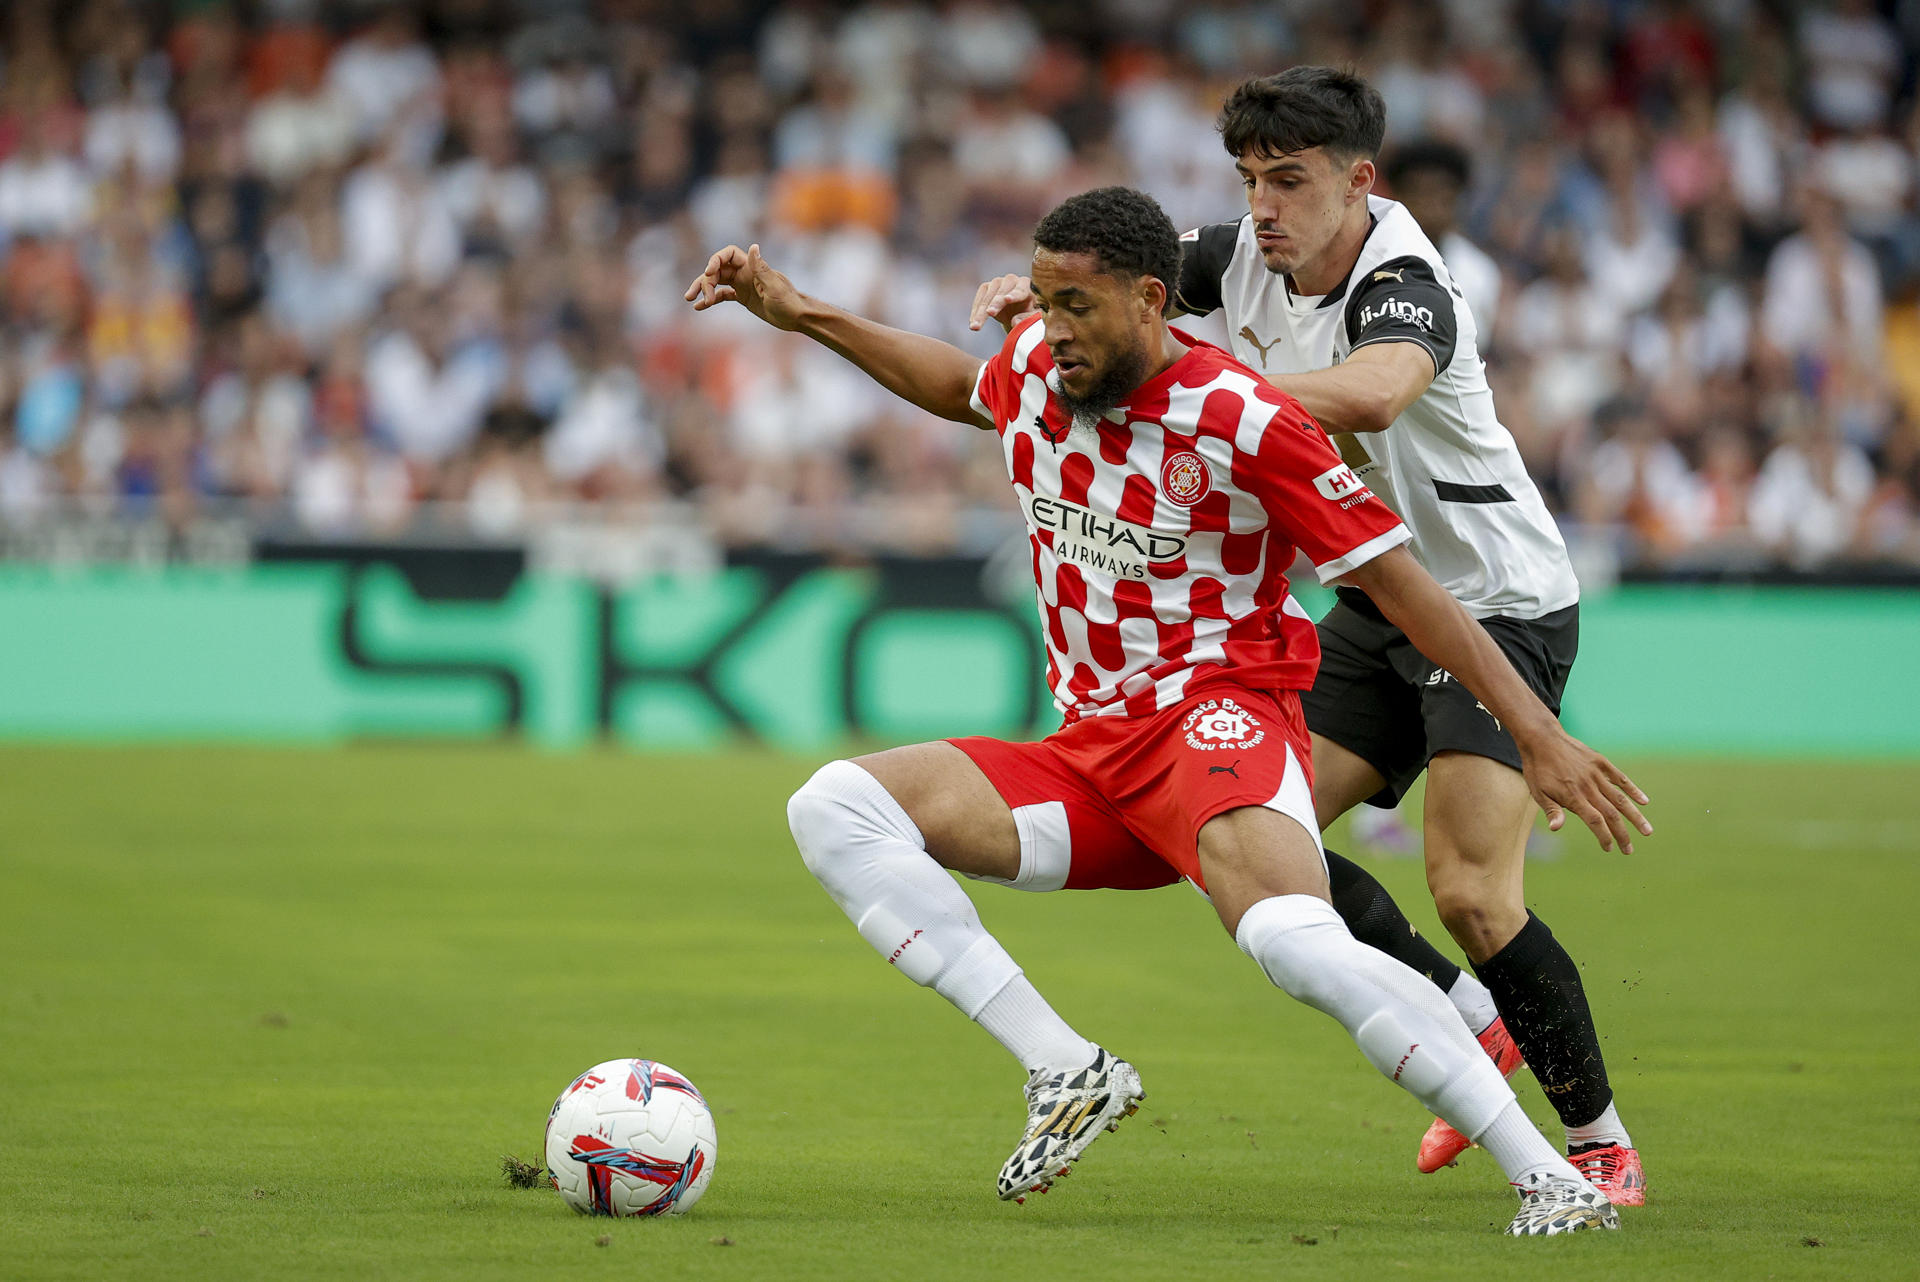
[[1537, 988], [1377, 921]]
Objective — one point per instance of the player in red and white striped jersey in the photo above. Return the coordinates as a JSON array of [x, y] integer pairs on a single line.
[[1162, 532], [1166, 489]]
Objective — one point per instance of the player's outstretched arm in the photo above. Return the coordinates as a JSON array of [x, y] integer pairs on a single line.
[[1562, 773], [936, 376]]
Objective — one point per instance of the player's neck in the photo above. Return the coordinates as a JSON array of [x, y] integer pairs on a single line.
[[1163, 349], [1342, 252]]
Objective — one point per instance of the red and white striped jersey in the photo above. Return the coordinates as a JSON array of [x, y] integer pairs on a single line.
[[1161, 544]]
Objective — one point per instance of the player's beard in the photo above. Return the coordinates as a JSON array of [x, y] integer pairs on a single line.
[[1115, 384]]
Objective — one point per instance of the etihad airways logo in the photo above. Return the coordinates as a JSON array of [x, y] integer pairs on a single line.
[[1107, 544]]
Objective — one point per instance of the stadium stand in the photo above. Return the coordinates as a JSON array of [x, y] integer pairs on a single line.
[[364, 270]]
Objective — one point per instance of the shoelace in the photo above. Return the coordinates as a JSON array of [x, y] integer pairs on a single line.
[[1540, 1188], [1600, 1165]]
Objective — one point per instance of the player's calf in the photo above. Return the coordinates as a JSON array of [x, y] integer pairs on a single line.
[[1442, 1145], [867, 853], [1407, 1030]]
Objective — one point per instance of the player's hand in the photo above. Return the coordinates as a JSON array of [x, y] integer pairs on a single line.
[[1004, 298], [1564, 775], [736, 275]]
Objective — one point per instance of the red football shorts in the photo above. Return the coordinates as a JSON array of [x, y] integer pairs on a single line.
[[1118, 802]]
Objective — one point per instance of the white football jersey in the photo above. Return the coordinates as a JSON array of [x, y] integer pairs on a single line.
[[1447, 466]]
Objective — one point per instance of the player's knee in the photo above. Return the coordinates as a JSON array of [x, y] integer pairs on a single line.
[[838, 811], [1457, 906], [1291, 937], [819, 814], [1475, 917]]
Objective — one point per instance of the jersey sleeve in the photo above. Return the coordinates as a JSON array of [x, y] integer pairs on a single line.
[[1206, 251], [1317, 502], [1402, 301], [996, 391]]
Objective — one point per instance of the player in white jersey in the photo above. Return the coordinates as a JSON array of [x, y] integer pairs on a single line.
[[1340, 299], [1166, 489]]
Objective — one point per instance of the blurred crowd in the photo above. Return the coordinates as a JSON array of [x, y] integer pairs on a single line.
[[359, 267]]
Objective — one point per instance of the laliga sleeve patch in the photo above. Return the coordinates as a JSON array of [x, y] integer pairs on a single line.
[[1185, 479]]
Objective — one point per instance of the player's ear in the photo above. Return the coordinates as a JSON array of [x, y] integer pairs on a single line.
[[1152, 298], [1360, 180]]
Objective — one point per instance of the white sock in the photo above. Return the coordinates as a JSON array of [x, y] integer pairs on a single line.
[[1604, 1129], [1402, 1023], [1522, 1151], [868, 855], [1474, 1002], [1020, 1020]]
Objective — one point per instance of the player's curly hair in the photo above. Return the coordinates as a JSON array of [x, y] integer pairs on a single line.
[[1126, 230], [1301, 108]]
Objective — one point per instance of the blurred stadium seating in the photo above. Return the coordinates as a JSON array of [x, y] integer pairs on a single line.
[[303, 269]]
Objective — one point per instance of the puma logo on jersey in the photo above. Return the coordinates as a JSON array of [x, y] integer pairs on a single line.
[[1399, 276], [1246, 332]]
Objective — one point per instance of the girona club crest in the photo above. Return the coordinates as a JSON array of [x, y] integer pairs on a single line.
[[1221, 723], [1185, 479]]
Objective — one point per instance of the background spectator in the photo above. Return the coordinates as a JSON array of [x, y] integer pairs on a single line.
[[360, 267]]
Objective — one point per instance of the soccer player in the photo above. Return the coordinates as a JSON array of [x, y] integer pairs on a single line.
[[1166, 488], [1340, 300]]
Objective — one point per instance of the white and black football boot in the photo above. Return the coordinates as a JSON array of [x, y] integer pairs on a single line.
[[1066, 1111], [1554, 1204]]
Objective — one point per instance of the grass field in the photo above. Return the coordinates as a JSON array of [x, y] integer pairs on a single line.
[[278, 1014]]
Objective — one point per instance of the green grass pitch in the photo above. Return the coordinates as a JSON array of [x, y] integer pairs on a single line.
[[277, 1013]]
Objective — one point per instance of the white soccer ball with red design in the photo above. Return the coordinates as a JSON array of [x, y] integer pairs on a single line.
[[630, 1137]]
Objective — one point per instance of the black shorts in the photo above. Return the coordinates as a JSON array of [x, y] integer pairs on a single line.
[[1388, 704]]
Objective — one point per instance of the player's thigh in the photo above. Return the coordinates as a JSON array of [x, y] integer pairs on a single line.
[[1478, 815], [1365, 716], [1342, 779], [1070, 836], [967, 825], [1254, 853]]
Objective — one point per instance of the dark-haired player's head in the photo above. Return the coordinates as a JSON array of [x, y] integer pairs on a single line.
[[1429, 178], [1304, 142], [1105, 263]]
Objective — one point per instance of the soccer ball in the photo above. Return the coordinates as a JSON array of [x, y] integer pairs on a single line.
[[630, 1137]]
